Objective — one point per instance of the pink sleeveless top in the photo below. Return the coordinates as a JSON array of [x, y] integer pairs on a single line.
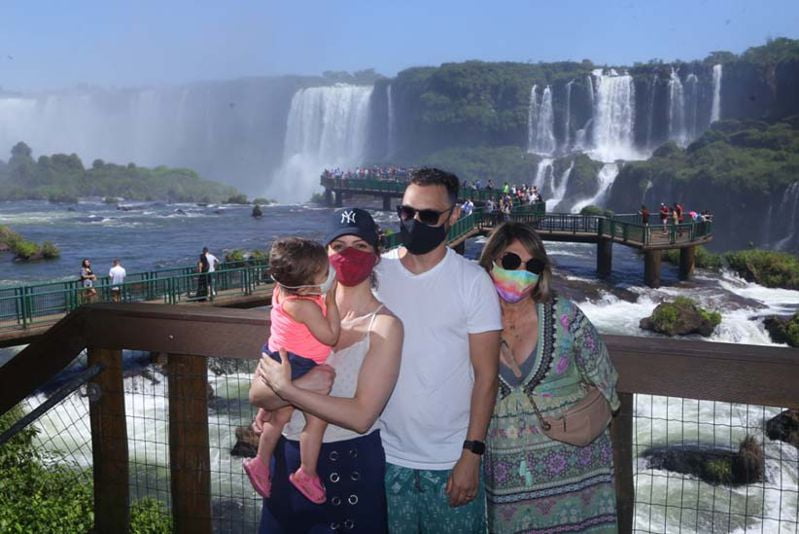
[[293, 336]]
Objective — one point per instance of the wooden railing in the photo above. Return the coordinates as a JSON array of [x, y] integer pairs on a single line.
[[688, 369]]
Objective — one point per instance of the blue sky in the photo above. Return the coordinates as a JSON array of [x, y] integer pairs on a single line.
[[57, 44]]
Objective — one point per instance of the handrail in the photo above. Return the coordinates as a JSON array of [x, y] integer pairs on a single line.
[[741, 373]]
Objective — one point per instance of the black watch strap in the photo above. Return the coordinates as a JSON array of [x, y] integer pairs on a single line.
[[477, 447]]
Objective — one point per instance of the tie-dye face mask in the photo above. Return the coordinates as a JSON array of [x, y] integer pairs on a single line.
[[513, 286]]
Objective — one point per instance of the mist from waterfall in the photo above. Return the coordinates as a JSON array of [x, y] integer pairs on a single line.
[[606, 176], [326, 128], [677, 130], [390, 127]]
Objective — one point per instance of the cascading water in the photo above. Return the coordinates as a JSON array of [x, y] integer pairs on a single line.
[[543, 172], [326, 128], [559, 188], [715, 110], [614, 116], [677, 110], [691, 107], [567, 118], [787, 217], [541, 123], [391, 141], [606, 176], [650, 111]]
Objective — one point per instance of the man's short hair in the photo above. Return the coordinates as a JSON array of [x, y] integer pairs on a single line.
[[205, 249], [116, 261], [433, 176]]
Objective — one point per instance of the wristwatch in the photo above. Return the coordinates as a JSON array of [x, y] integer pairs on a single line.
[[477, 447]]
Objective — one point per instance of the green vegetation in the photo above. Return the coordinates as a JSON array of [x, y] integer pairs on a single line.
[[704, 258], [751, 157], [719, 470], [317, 198], [765, 267], [239, 257], [237, 199], [263, 201], [63, 178], [783, 330], [509, 163], [25, 250], [150, 516], [38, 496]]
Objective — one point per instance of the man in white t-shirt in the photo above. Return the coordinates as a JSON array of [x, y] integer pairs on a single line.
[[213, 261], [435, 422], [117, 274]]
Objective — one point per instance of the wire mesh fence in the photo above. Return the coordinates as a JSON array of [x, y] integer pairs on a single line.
[[704, 466], [691, 471]]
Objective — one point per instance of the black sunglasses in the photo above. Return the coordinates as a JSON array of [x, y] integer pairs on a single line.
[[428, 217], [512, 261]]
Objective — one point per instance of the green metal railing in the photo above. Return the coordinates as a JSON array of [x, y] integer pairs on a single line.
[[27, 305]]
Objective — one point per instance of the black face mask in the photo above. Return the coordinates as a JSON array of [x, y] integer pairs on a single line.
[[419, 238]]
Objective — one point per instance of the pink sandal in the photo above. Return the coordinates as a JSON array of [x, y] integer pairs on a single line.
[[309, 486], [258, 473]]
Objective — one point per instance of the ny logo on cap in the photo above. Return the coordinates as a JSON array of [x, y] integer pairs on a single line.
[[348, 217]]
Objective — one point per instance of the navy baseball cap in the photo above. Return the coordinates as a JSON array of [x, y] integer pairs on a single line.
[[352, 221]]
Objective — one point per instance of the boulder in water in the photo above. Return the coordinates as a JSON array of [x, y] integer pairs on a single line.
[[712, 465], [783, 329], [784, 427], [681, 317], [246, 442], [257, 211]]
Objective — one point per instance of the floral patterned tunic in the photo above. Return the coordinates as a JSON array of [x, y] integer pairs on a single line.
[[536, 484]]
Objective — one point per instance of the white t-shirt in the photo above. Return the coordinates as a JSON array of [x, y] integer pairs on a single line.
[[117, 274], [212, 261], [425, 421]]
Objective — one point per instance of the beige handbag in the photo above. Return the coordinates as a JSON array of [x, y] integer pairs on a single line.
[[582, 423]]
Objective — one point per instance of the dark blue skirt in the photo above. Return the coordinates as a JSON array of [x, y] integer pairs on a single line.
[[353, 473]]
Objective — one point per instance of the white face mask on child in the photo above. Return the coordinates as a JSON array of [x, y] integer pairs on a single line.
[[324, 287]]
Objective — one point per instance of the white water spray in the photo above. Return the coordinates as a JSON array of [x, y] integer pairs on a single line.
[[715, 112]]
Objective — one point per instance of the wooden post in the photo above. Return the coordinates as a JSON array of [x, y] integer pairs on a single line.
[[621, 433], [687, 262], [652, 268], [604, 257], [109, 442], [189, 457], [386, 202]]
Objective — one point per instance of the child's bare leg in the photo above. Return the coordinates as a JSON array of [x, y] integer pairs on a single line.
[[271, 432], [311, 443]]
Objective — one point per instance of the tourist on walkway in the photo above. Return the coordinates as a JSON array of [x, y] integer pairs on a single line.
[[213, 262], [87, 279], [551, 358], [468, 208], [366, 363], [664, 215], [435, 421], [117, 274], [202, 278], [644, 213]]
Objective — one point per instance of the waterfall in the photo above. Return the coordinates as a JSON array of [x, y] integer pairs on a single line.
[[543, 171], [691, 107], [606, 176], [327, 127], [676, 110], [787, 217], [540, 123], [559, 189], [567, 119], [715, 113], [614, 116], [390, 148], [650, 112]]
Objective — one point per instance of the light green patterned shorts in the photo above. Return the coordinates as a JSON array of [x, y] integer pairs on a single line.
[[417, 504]]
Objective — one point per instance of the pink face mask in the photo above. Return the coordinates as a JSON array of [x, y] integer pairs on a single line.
[[352, 266]]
